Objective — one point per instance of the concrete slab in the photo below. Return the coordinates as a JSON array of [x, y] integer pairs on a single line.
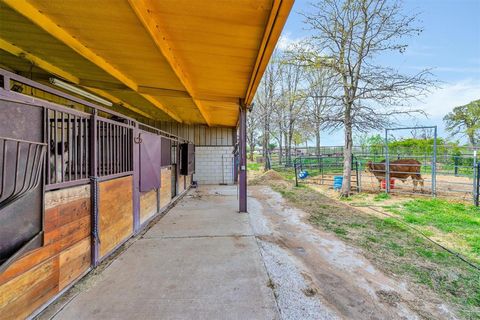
[[201, 261]]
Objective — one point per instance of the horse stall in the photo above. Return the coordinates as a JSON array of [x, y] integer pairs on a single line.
[[76, 183]]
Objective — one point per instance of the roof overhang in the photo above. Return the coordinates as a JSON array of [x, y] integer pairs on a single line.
[[192, 61]]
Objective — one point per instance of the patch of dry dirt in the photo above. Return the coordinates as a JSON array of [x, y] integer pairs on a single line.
[[338, 274]]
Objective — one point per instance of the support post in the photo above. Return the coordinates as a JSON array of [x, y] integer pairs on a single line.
[[243, 158], [136, 177], [94, 188]]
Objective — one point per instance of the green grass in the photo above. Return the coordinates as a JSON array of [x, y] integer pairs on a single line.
[[457, 221], [381, 196], [254, 166], [400, 251]]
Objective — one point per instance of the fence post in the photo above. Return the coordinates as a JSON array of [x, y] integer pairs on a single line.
[[434, 164], [358, 176], [455, 161], [295, 168], [476, 183], [387, 164]]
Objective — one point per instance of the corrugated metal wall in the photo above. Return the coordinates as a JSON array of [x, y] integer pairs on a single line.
[[199, 134]]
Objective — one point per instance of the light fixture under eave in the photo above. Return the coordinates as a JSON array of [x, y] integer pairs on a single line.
[[83, 93]]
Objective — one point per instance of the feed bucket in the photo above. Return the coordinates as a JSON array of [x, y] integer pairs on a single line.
[[392, 184]]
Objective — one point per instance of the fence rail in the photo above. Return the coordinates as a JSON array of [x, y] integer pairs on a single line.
[[414, 175]]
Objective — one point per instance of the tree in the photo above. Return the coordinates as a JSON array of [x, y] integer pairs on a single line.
[[320, 86], [252, 133], [465, 120], [266, 98], [293, 99], [347, 37]]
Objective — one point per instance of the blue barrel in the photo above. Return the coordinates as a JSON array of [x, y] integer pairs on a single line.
[[337, 182]]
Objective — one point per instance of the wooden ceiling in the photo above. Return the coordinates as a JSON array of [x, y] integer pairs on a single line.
[[187, 60]]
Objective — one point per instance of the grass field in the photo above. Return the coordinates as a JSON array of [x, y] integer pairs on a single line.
[[458, 224]]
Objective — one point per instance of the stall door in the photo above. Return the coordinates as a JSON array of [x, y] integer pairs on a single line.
[[174, 155]]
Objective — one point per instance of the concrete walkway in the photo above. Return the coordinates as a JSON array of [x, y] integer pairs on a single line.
[[200, 261]]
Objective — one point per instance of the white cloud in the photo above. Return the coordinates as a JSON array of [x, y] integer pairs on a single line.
[[473, 69], [443, 100], [287, 42]]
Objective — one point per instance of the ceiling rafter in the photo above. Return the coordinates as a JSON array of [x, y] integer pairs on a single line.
[[19, 52], [24, 8], [50, 68], [143, 11]]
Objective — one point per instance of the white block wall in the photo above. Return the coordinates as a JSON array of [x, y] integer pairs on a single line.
[[209, 165]]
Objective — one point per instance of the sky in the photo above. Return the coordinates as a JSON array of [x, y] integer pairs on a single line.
[[450, 44]]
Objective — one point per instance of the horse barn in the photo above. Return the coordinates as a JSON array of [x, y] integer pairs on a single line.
[[110, 112]]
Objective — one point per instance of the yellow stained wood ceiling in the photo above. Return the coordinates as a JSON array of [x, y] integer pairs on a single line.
[[192, 61]]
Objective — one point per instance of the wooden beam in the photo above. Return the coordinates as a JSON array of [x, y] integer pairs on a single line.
[[24, 8], [273, 29], [50, 68], [163, 92], [117, 101], [19, 52], [154, 101], [142, 9]]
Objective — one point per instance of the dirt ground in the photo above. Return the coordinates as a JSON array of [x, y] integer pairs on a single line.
[[343, 281]]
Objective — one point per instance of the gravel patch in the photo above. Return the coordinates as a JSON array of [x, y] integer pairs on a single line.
[[296, 297]]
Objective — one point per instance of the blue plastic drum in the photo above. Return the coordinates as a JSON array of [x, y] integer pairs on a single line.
[[337, 182]]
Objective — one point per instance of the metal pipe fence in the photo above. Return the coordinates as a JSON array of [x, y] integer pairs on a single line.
[[412, 176]]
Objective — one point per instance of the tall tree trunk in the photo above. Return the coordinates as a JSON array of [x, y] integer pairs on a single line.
[[317, 140], [280, 148], [251, 145], [471, 137], [347, 155], [266, 142]]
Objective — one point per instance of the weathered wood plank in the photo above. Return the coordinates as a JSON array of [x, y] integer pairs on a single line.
[[66, 213], [115, 213], [58, 197], [148, 205], [40, 274], [74, 262], [17, 294], [69, 234], [166, 187]]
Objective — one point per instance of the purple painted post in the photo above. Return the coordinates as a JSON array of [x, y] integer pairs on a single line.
[[136, 178], [243, 159], [94, 187]]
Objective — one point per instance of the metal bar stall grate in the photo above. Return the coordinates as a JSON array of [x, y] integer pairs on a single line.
[[21, 166]]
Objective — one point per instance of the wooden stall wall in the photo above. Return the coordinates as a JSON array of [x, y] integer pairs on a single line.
[[115, 213], [41, 274], [148, 205], [165, 186], [188, 181], [181, 184]]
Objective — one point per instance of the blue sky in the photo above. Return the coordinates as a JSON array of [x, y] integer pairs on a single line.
[[450, 44]]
